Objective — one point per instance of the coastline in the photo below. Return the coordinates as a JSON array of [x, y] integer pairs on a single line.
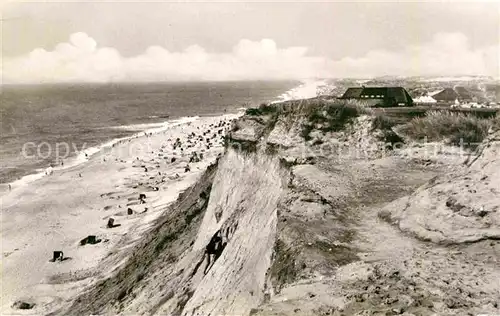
[[84, 155], [55, 212], [46, 213], [304, 90], [307, 89], [95, 114]]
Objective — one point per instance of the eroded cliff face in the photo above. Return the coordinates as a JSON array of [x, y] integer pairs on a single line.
[[315, 217], [243, 207]]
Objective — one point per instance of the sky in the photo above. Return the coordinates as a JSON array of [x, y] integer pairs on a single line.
[[98, 41]]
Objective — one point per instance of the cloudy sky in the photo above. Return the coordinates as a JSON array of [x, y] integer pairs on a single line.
[[157, 41]]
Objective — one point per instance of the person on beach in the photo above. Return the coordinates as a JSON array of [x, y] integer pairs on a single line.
[[10, 187]]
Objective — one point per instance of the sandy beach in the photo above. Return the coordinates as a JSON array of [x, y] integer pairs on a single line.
[[56, 212]]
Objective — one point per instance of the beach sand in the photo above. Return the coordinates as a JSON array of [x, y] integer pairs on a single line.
[[57, 211]]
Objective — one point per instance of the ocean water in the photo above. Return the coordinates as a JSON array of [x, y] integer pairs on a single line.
[[39, 123]]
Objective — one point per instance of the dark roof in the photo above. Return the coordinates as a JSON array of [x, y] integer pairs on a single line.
[[387, 96], [376, 93], [463, 93], [451, 94], [447, 94], [352, 93]]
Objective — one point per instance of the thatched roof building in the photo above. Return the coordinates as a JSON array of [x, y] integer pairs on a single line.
[[380, 96], [452, 94]]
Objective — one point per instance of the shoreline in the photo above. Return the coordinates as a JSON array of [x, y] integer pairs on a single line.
[[55, 212], [304, 90], [83, 156]]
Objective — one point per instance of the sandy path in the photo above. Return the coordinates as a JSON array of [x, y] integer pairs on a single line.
[[56, 212]]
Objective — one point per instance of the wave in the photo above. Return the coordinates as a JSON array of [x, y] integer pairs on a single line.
[[86, 155], [151, 127], [307, 89]]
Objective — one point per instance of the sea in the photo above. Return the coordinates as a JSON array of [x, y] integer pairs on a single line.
[[39, 124]]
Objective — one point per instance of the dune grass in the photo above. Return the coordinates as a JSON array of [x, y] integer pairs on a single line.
[[495, 125], [332, 116], [325, 115], [383, 122], [451, 127], [454, 128], [263, 109]]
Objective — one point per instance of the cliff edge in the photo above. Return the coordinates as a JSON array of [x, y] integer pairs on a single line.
[[316, 209]]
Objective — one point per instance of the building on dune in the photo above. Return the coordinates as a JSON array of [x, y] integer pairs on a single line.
[[449, 95], [464, 94], [445, 95], [380, 96]]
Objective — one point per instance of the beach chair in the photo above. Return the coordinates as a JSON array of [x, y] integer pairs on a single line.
[[90, 239], [58, 255], [111, 223]]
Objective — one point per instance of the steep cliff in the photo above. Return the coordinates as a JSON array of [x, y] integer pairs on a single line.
[[312, 210]]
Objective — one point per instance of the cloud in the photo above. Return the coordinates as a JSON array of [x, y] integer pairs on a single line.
[[82, 60], [445, 54]]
